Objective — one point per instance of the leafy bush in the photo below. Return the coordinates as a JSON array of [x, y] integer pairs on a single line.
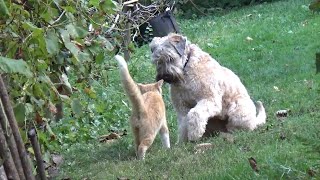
[[39, 40], [94, 110]]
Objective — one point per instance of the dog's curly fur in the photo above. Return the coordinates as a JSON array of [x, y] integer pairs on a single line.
[[201, 89]]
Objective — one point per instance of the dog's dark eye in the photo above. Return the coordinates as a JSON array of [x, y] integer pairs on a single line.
[[152, 49]]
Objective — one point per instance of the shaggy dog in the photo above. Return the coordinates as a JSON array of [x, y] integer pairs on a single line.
[[201, 89]]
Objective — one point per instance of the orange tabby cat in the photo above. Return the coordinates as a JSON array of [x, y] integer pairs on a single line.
[[148, 116]]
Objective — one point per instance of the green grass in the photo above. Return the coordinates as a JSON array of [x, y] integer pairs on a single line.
[[286, 36]]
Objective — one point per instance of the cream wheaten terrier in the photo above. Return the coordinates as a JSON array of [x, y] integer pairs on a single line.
[[201, 89]]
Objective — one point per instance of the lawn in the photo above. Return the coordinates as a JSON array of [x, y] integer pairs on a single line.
[[272, 48]]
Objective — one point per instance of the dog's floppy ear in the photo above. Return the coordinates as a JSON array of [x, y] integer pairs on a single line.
[[179, 43]]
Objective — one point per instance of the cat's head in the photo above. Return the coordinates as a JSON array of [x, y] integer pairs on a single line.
[[156, 87]]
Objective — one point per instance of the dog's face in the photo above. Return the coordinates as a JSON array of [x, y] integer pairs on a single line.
[[169, 56]]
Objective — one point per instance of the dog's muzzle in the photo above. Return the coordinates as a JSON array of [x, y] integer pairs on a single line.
[[169, 78]]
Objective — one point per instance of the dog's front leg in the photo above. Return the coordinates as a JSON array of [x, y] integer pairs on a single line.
[[182, 128], [198, 116]]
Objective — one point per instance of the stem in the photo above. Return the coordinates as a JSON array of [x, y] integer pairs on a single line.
[[37, 152], [15, 130], [3, 173], [11, 142], [5, 154]]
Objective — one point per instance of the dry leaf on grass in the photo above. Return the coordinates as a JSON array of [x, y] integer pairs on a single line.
[[276, 88], [122, 178], [200, 148], [282, 136], [282, 114], [53, 167], [311, 172], [112, 136], [253, 164], [249, 38], [109, 138], [57, 159]]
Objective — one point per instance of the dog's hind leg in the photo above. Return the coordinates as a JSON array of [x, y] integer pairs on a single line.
[[242, 115], [198, 117]]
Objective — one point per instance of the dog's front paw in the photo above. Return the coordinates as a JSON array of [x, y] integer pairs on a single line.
[[196, 126], [194, 136]]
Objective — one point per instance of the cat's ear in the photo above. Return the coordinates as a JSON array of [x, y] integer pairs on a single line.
[[160, 83], [140, 87]]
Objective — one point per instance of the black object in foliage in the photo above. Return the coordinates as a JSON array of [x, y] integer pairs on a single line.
[[159, 26]]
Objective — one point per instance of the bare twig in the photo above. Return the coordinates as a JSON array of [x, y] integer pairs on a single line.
[[58, 19]]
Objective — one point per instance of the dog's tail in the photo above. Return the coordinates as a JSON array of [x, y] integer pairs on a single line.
[[131, 88], [261, 117]]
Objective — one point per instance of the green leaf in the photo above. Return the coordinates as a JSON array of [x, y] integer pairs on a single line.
[[100, 58], [94, 3], [64, 97], [3, 9], [42, 138], [67, 43], [37, 91], [8, 65], [30, 150], [20, 113], [41, 65], [76, 107], [108, 46], [82, 56], [70, 9], [108, 6], [76, 31], [104, 42], [90, 92], [52, 42], [29, 26]]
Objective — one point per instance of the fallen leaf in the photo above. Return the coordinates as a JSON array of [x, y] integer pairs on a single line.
[[38, 118], [253, 164], [200, 148], [122, 178], [245, 148], [311, 172], [249, 38], [52, 108], [282, 136], [304, 23], [318, 62], [276, 88], [66, 178], [109, 138], [308, 83], [57, 159], [282, 114]]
